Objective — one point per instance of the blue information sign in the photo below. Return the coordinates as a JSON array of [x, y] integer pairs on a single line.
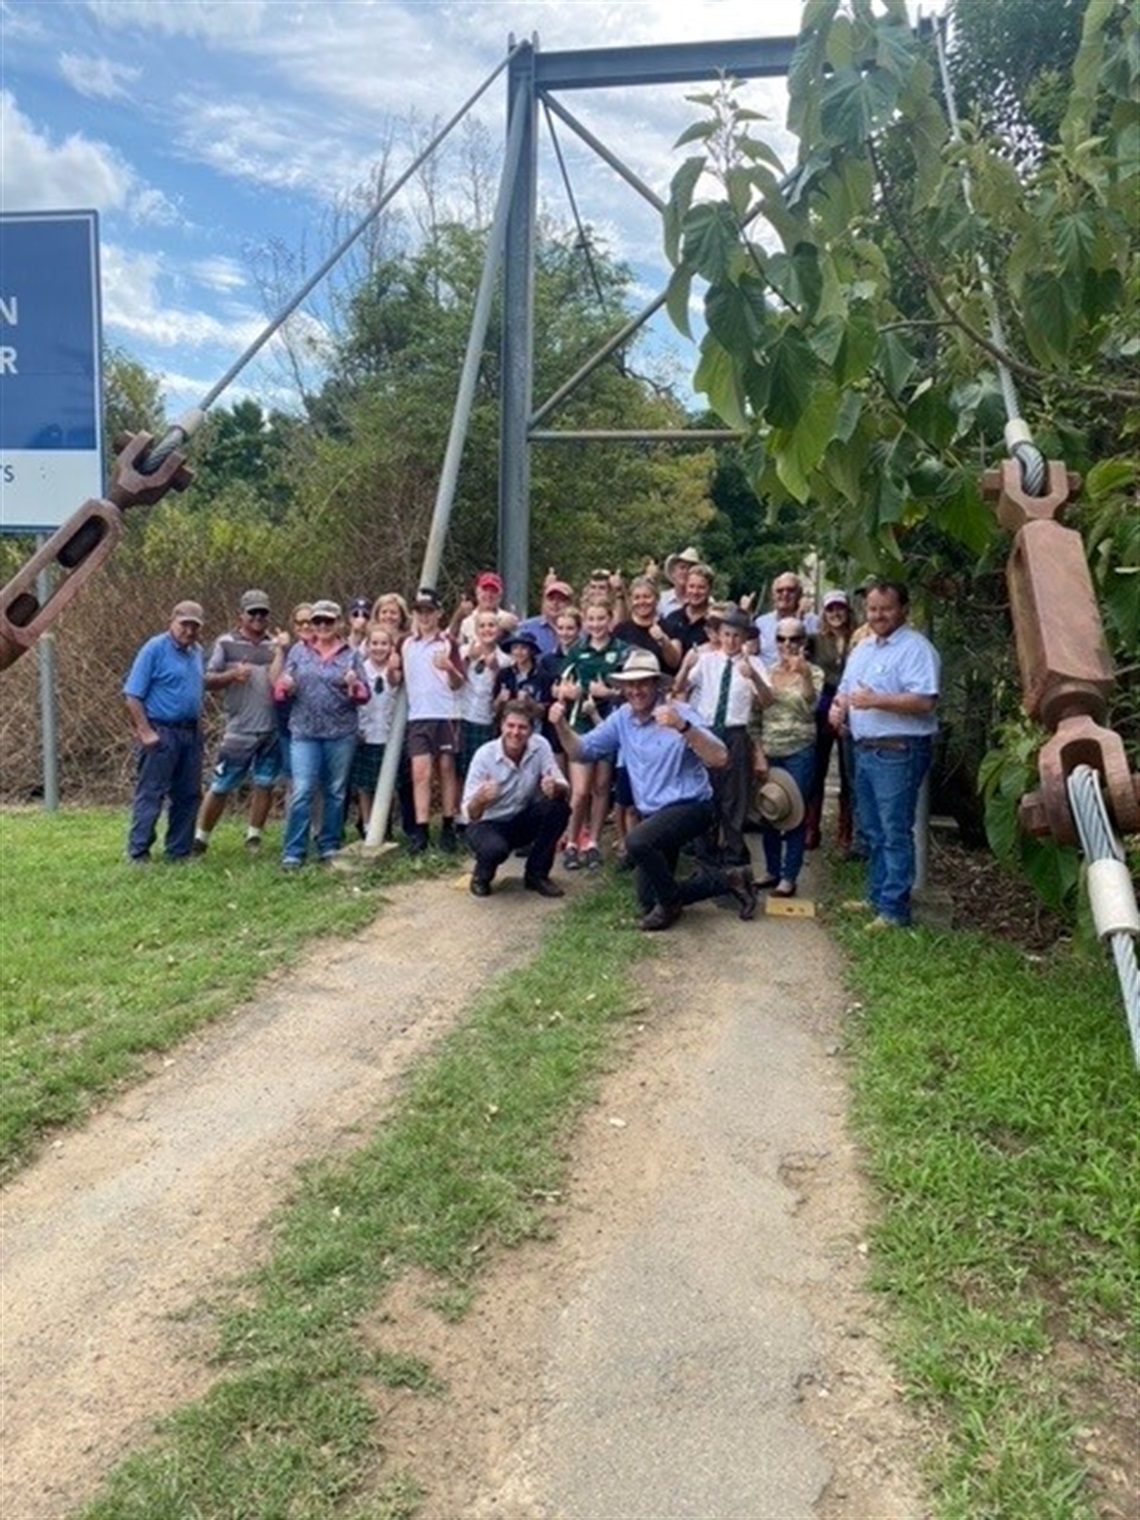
[[51, 445]]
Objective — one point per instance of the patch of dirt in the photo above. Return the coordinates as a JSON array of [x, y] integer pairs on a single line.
[[987, 898]]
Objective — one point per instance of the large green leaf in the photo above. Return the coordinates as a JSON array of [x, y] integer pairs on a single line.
[[737, 315], [858, 349], [710, 238], [677, 299], [896, 363], [1049, 315], [718, 376], [856, 104], [797, 277], [895, 48], [931, 416], [793, 372], [800, 449], [963, 514], [1074, 240], [680, 199]]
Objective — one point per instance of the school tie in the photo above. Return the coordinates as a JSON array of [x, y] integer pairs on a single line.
[[719, 723]]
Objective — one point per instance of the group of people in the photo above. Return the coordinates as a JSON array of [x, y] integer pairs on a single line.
[[682, 720]]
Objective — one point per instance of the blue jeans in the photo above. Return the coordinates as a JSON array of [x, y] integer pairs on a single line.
[[888, 778], [784, 852], [170, 772], [318, 765]]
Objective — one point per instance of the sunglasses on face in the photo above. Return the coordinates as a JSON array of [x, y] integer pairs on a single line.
[[323, 622], [258, 612], [302, 622], [785, 639]]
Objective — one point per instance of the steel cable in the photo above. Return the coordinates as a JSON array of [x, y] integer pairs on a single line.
[[1099, 842], [1017, 435]]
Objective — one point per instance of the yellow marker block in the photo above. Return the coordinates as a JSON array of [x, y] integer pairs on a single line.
[[460, 883], [789, 907]]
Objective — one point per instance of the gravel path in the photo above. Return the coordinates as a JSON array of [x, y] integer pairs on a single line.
[[694, 1341]]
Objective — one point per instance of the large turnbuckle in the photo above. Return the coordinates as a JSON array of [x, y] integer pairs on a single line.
[[1066, 671], [82, 544]]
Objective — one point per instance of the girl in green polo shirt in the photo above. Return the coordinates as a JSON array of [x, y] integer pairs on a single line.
[[586, 691]]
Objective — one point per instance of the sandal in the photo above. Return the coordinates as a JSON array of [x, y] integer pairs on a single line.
[[766, 885], [784, 889]]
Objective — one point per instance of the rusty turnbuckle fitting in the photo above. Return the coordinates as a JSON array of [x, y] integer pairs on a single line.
[[1066, 671], [82, 544]]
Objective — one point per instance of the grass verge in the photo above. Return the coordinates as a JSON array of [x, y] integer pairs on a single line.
[[466, 1161], [103, 964], [998, 1102]]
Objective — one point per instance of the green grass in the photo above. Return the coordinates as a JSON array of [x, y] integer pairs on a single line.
[[103, 964], [1000, 1108], [467, 1161], [996, 1098]]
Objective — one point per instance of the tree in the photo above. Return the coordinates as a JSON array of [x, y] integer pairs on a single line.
[[132, 397], [857, 339]]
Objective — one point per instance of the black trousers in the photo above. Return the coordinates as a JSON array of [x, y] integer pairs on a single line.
[[654, 846], [540, 825]]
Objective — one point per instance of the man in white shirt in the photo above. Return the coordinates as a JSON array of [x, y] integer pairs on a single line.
[[787, 595], [515, 797]]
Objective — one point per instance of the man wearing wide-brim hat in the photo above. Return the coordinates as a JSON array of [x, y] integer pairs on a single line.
[[667, 749], [677, 567]]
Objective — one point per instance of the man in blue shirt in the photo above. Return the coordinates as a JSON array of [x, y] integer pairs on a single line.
[[164, 693], [667, 749], [887, 699]]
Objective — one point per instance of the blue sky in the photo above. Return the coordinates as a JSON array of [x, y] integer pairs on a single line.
[[207, 132]]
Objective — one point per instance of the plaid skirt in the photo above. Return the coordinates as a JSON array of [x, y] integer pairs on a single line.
[[366, 763], [471, 736]]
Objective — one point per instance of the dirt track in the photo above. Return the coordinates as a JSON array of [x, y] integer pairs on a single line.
[[695, 1341]]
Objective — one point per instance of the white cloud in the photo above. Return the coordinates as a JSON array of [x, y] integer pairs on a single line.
[[98, 78], [208, 20], [41, 175], [220, 273], [146, 300], [77, 173]]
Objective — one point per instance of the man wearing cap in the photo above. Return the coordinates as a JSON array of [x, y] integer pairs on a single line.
[[556, 597], [243, 666], [887, 699], [164, 692], [488, 598], [433, 676], [667, 749], [677, 567], [787, 594], [514, 798]]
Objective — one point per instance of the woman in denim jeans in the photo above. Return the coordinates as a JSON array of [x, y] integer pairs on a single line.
[[325, 680], [788, 731]]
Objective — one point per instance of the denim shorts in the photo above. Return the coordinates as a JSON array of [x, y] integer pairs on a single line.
[[262, 765]]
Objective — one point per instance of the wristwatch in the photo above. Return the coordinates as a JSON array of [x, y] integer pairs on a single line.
[[684, 728]]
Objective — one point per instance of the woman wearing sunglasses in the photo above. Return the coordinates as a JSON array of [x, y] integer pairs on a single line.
[[789, 742], [325, 680]]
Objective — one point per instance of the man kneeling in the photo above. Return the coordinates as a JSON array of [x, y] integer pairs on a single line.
[[515, 797]]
